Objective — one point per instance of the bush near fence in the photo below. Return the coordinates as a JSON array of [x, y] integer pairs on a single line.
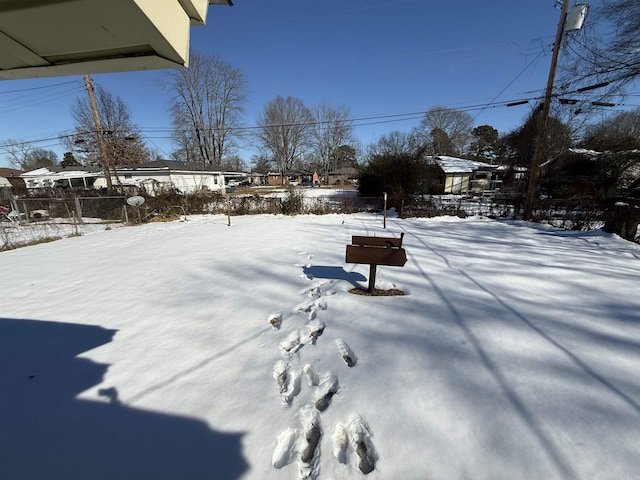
[[582, 214]]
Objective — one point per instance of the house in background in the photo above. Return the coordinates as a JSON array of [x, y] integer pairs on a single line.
[[343, 176], [5, 189], [154, 177], [165, 175], [467, 176], [60, 177], [12, 175], [291, 177]]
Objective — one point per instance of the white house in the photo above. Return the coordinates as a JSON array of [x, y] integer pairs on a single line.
[[154, 177], [161, 176], [61, 177]]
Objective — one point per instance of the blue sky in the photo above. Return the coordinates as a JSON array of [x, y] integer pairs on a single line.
[[386, 60]]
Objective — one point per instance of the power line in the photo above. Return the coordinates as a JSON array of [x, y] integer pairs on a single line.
[[359, 121], [512, 81], [38, 88]]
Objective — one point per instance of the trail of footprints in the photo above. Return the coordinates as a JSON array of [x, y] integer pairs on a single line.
[[302, 445]]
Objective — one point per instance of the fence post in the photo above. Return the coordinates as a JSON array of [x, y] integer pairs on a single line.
[[78, 209], [26, 212], [385, 210]]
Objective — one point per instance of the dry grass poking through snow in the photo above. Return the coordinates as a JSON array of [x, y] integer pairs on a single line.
[[377, 292]]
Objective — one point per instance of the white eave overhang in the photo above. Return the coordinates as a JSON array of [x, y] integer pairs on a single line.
[[44, 38]]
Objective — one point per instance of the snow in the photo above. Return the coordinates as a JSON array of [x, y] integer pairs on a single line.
[[197, 350], [459, 165]]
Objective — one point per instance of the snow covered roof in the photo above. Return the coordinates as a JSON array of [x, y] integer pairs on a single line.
[[585, 151], [61, 172], [460, 165], [4, 182]]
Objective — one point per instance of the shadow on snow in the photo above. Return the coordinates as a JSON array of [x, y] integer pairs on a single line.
[[333, 273], [48, 433]]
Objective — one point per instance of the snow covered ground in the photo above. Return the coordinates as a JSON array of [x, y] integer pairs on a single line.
[[195, 350]]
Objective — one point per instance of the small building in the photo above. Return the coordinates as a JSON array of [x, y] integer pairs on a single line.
[[342, 176], [467, 176]]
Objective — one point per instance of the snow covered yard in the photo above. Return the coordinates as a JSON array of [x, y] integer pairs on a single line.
[[196, 350]]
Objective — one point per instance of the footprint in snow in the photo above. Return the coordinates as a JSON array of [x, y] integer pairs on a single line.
[[281, 375], [293, 389], [315, 330], [285, 448], [275, 319], [328, 388], [291, 344], [346, 353], [288, 381], [311, 305], [310, 449], [340, 444], [312, 377], [362, 444]]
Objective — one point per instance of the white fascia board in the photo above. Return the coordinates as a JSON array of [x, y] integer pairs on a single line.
[[172, 22], [196, 10]]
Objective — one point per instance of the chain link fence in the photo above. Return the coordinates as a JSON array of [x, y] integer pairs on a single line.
[[38, 220]]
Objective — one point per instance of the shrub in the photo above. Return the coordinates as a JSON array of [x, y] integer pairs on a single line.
[[293, 201]]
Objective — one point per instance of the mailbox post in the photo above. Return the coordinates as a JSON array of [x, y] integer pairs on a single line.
[[375, 251]]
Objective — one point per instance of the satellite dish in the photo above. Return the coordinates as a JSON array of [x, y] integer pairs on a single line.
[[135, 201]]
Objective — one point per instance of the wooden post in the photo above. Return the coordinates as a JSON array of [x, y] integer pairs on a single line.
[[385, 210], [372, 279], [543, 120], [228, 211], [99, 132]]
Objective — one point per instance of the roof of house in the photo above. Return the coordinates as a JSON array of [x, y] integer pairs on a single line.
[[9, 172], [460, 165], [62, 172], [76, 170], [170, 165]]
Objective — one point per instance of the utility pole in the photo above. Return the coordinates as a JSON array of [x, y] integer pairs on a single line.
[[543, 121], [99, 132]]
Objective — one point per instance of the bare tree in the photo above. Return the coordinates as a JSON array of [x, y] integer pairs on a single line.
[[261, 163], [440, 122], [618, 132], [25, 156], [602, 60], [207, 109], [392, 144], [122, 140], [285, 131], [332, 129]]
